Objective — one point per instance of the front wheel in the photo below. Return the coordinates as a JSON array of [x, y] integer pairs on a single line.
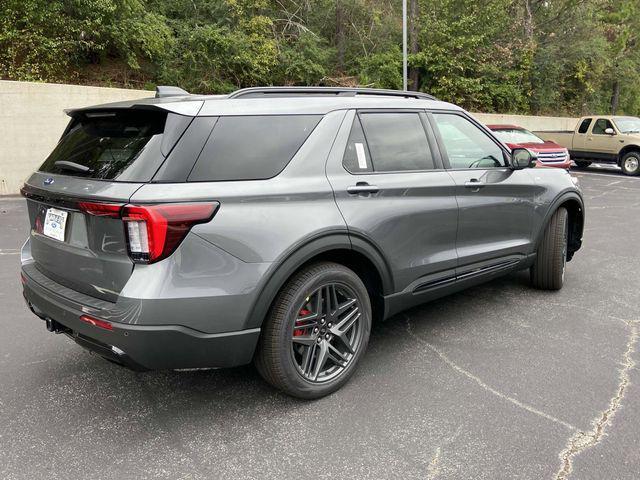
[[630, 163], [547, 273], [316, 332]]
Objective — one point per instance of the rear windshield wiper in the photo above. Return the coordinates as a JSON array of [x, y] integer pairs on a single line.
[[72, 166]]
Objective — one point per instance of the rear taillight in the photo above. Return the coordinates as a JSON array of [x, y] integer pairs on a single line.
[[154, 231], [101, 209]]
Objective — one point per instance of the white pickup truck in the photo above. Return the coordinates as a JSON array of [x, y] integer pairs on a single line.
[[602, 139]]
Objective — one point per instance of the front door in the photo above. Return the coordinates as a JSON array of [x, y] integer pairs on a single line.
[[495, 202], [602, 143], [394, 194]]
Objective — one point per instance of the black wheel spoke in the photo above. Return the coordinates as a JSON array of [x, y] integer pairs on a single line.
[[337, 356], [345, 341], [347, 322], [345, 305], [321, 359], [307, 359]]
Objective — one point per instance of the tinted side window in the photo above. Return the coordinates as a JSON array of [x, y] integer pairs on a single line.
[[356, 156], [466, 145], [397, 141], [252, 147], [584, 126], [600, 126]]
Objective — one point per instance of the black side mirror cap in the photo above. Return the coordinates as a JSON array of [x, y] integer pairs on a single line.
[[522, 158]]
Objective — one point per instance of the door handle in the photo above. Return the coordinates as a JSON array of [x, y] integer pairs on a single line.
[[474, 183], [362, 187]]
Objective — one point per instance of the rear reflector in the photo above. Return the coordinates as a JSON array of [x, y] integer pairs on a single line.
[[96, 322]]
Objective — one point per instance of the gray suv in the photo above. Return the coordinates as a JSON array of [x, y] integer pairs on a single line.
[[275, 224]]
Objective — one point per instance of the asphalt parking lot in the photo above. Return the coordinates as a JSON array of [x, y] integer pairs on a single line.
[[500, 381]]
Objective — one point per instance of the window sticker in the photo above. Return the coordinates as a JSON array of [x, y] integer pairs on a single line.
[[362, 159]]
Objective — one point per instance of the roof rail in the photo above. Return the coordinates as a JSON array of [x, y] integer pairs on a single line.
[[257, 92], [169, 91]]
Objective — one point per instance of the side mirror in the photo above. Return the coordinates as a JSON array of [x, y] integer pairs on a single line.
[[609, 131], [522, 158]]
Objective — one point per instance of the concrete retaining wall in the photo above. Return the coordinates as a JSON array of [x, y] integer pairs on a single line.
[[529, 122], [32, 120]]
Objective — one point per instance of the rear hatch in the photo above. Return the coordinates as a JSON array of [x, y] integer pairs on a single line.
[[103, 157]]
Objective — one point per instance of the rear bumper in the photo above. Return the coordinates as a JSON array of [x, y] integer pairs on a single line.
[[150, 347]]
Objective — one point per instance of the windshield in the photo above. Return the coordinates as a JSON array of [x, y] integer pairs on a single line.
[[517, 135], [628, 124]]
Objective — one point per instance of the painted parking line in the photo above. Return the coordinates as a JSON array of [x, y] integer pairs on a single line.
[[10, 251], [613, 174]]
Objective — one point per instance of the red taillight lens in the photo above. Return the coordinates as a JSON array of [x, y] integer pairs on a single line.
[[154, 231], [101, 209], [96, 322]]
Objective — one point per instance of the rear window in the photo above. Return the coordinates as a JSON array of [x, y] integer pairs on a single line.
[[122, 146], [584, 126], [252, 147], [397, 142]]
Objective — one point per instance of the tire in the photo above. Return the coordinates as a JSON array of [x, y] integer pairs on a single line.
[[630, 163], [299, 329], [582, 163], [547, 273]]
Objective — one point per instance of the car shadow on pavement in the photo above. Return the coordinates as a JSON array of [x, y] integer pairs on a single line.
[[175, 403]]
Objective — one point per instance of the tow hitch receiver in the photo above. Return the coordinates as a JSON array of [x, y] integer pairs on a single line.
[[55, 327]]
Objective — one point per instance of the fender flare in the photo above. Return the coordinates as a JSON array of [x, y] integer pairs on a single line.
[[559, 200], [626, 149], [282, 269]]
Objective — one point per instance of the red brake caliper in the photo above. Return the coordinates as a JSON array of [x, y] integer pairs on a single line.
[[302, 313]]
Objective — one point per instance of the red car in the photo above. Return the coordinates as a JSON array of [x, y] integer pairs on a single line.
[[550, 154]]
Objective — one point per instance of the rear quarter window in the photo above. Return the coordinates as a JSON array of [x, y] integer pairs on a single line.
[[584, 126], [251, 147]]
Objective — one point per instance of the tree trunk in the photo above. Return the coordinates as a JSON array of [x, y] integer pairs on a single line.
[[615, 97], [340, 47], [413, 43], [528, 21]]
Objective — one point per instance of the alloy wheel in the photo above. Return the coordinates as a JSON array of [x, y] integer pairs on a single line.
[[327, 333], [631, 164]]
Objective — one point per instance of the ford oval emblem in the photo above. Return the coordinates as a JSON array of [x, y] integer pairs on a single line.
[[48, 181]]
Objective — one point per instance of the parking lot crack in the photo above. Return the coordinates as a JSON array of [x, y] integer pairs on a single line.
[[582, 440], [481, 383], [434, 468]]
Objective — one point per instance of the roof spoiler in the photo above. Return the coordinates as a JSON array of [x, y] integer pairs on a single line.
[[169, 91]]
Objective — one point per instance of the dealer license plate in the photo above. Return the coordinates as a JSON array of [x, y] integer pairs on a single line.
[[55, 222]]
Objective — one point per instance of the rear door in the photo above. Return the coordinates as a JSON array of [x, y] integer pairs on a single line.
[[393, 193], [495, 202], [101, 160], [580, 136]]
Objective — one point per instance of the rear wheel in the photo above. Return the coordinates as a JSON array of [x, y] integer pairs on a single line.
[[316, 331], [547, 272], [630, 163], [582, 163]]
